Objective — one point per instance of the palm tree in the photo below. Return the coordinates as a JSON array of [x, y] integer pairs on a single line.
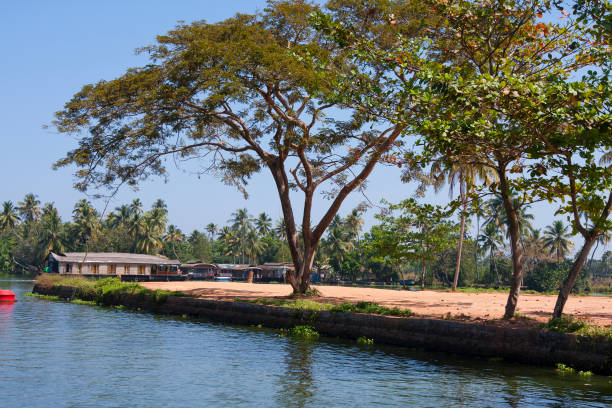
[[281, 230], [557, 239], [86, 222], [535, 250], [29, 209], [464, 174], [51, 236], [173, 236], [337, 245], [497, 215], [230, 242], [212, 230], [150, 237], [9, 218], [242, 223], [136, 207], [353, 223], [263, 224], [254, 246], [490, 240]]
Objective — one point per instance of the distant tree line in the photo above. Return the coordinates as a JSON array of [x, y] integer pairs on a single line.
[[416, 246]]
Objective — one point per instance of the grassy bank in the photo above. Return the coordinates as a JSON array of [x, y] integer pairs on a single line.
[[570, 324], [107, 291], [359, 307]]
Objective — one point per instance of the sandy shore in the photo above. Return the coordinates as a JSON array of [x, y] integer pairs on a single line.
[[486, 306]]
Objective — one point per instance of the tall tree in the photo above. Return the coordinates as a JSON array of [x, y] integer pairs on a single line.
[[263, 224], [9, 219], [29, 209], [212, 230], [557, 239], [245, 93]]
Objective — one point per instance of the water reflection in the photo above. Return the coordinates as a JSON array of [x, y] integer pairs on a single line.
[[296, 386]]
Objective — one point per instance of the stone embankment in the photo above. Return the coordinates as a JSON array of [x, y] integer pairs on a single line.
[[529, 346]]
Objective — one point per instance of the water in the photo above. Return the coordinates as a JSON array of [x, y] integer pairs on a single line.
[[57, 354]]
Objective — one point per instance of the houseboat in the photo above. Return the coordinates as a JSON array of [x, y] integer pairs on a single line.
[[198, 270], [128, 267]]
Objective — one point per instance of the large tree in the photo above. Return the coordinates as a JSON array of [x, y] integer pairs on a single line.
[[238, 97]]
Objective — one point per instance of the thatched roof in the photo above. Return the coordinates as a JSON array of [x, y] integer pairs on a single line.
[[112, 258]]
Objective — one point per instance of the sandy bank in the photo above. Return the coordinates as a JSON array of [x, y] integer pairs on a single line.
[[486, 306]]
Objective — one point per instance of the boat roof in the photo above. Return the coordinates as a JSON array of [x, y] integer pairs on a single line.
[[112, 258]]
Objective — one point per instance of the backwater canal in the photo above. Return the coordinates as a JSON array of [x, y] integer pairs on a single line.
[[59, 354]]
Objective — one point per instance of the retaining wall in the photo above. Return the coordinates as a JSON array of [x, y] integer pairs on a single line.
[[529, 346]]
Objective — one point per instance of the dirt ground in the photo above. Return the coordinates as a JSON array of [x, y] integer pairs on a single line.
[[485, 306]]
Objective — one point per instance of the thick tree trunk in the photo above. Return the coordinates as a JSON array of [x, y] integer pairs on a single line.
[[570, 279], [300, 278], [515, 245], [461, 232]]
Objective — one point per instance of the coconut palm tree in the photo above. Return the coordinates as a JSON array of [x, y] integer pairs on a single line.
[[465, 175], [9, 219], [497, 215], [212, 230], [149, 240], [174, 235], [242, 223], [86, 222], [337, 245], [29, 209], [254, 246], [353, 224], [557, 239], [51, 235], [263, 224], [281, 230], [136, 207], [230, 242], [491, 240]]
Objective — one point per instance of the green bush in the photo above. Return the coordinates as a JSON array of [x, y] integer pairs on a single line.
[[303, 332]]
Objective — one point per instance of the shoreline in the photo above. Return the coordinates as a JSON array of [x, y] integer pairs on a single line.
[[524, 345], [475, 306]]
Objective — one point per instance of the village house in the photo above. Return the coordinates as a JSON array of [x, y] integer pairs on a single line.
[[110, 264]]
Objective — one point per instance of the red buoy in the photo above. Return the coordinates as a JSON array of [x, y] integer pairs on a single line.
[[7, 296]]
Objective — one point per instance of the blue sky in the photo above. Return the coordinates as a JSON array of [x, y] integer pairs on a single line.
[[51, 49]]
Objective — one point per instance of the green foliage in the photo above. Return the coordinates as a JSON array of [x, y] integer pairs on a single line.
[[301, 332], [562, 368], [365, 341], [371, 308], [359, 307], [566, 324], [108, 291], [570, 324]]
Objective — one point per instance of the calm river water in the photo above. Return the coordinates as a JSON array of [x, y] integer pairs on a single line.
[[58, 354]]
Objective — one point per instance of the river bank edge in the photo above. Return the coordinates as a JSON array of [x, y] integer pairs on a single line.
[[528, 346]]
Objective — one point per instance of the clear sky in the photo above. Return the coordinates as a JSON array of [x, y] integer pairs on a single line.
[[52, 48]]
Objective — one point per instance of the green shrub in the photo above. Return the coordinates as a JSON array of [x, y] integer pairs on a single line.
[[365, 341], [303, 332]]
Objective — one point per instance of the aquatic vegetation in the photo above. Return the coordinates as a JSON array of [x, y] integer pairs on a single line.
[[303, 332], [562, 368], [365, 341]]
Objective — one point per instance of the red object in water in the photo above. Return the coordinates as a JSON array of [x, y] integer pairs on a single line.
[[7, 296]]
